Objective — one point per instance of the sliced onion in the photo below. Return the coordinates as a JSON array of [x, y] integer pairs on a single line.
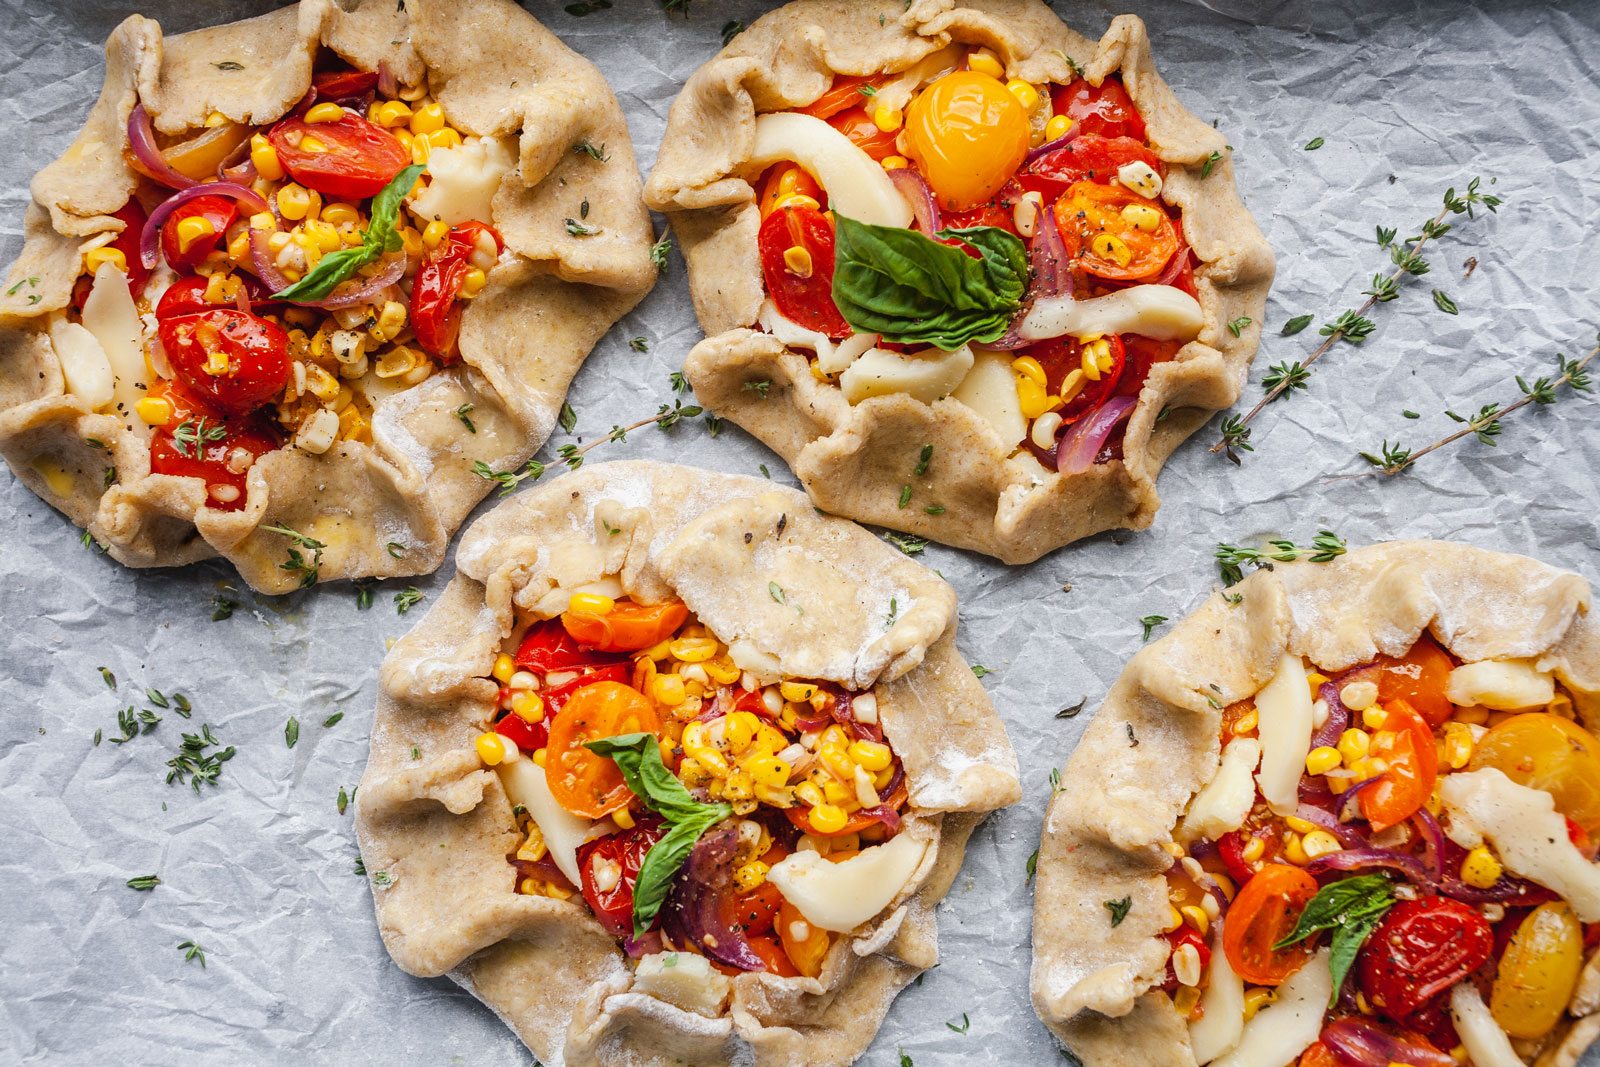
[[924, 208], [1432, 842], [1360, 859], [1050, 146], [1361, 1044], [142, 139], [1352, 796], [692, 911], [1348, 836], [1076, 451], [645, 945], [1338, 714], [843, 712], [388, 85], [884, 814], [266, 267], [1051, 274], [360, 292], [152, 226], [158, 355]]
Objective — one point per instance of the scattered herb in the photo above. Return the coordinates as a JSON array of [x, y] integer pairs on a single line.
[[193, 765], [894, 613], [406, 599], [332, 720], [660, 251], [1073, 711], [1295, 325], [1055, 780], [144, 882], [1119, 910], [588, 7], [361, 867], [1314, 144], [934, 509], [905, 495], [980, 670], [568, 418], [298, 563], [1150, 622], [762, 467], [97, 735], [461, 413], [908, 544], [134, 723], [291, 731], [383, 879], [922, 461], [587, 148], [363, 587], [228, 64], [1033, 865], [1409, 414], [192, 436], [1210, 161], [578, 229], [965, 1024], [416, 753], [759, 388], [1237, 325], [192, 951], [222, 607], [776, 592], [731, 29], [1442, 301], [107, 677], [1133, 740], [343, 800], [156, 697], [1231, 559], [639, 344]]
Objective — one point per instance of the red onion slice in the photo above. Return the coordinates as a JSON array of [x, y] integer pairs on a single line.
[[388, 85], [1051, 273], [142, 139], [692, 912], [1338, 715], [262, 259], [1361, 1044], [1076, 451], [924, 208], [248, 198], [843, 712], [354, 291], [1360, 859], [1348, 836]]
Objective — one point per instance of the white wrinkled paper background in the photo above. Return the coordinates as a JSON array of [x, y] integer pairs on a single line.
[[1410, 97]]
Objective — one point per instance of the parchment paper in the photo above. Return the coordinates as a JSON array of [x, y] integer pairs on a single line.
[[1409, 97]]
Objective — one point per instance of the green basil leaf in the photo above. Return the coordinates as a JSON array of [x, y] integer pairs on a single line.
[[1351, 908], [383, 232], [662, 863], [913, 290], [381, 235], [330, 270]]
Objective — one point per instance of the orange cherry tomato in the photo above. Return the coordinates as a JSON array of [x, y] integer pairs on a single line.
[[845, 92], [967, 134], [1418, 678], [806, 953], [1405, 743], [628, 628], [857, 124], [350, 157], [772, 954], [784, 180], [584, 782], [1264, 913], [1546, 752], [1124, 252]]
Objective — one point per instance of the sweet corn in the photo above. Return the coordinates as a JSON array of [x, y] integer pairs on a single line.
[[1480, 869], [837, 760], [397, 362], [445, 138], [1322, 760], [325, 112], [296, 202], [427, 118], [797, 261], [473, 281], [668, 689], [1073, 384], [1374, 717], [870, 754], [1186, 964], [894, 162], [534, 848], [739, 730], [1044, 430], [1255, 1000], [391, 113], [1458, 745], [1174, 919], [1354, 744], [504, 668], [769, 771], [192, 229], [1142, 217], [692, 649], [1320, 843], [623, 818], [1195, 917], [808, 793], [1254, 850], [591, 603], [433, 233], [539, 757], [265, 158], [1247, 722], [154, 410], [827, 818], [1299, 825], [1111, 248], [750, 876], [1294, 850], [986, 62], [325, 235], [886, 119], [797, 691], [239, 247], [527, 706], [216, 363], [1096, 360], [1057, 127], [96, 256], [491, 748], [1029, 367], [1033, 398], [1026, 94]]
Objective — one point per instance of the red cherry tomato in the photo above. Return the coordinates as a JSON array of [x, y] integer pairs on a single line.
[[1406, 744], [1184, 935], [1263, 913], [1106, 111], [197, 442], [999, 210], [1419, 950], [435, 315], [256, 350], [352, 88], [530, 737], [556, 697], [808, 299], [856, 124], [218, 211], [844, 92], [626, 851], [1085, 158], [1060, 356], [127, 242], [548, 647], [188, 295], [1141, 354], [1318, 1056], [356, 159], [1419, 678]]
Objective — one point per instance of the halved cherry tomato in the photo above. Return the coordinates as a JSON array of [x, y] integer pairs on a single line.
[[352, 88], [1318, 1056], [967, 134], [1184, 935], [783, 180], [857, 124], [629, 626], [844, 92], [1419, 950], [435, 313], [256, 351], [188, 295], [772, 954], [1141, 354], [999, 210], [626, 851], [198, 442], [1086, 158], [1089, 210], [1419, 678], [1552, 754], [1060, 356], [127, 242], [355, 160], [1405, 743], [1264, 913], [807, 297], [547, 646], [530, 737], [805, 943], [1105, 110], [583, 782], [857, 821], [218, 211], [556, 697]]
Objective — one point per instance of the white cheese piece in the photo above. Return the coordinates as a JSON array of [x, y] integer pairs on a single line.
[[1487, 1045], [831, 358], [1157, 311], [1224, 802], [990, 389], [1503, 685], [1141, 177], [1527, 833], [462, 181], [683, 979], [1221, 1025], [1282, 1030], [846, 352], [109, 314], [857, 186], [83, 362], [926, 375], [1284, 707], [842, 896], [563, 831]]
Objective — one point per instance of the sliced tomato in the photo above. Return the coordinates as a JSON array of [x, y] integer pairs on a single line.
[[1060, 356], [256, 351], [1318, 1056], [1105, 110], [352, 88], [783, 180], [805, 943], [127, 242], [858, 820], [1089, 210], [530, 737], [582, 781], [349, 158], [1419, 950], [188, 295], [1262, 914], [844, 92], [1405, 743], [1419, 678], [1086, 158], [198, 442], [435, 311], [806, 299], [857, 124], [999, 211], [556, 698], [217, 211], [625, 852], [772, 954], [1184, 935], [1141, 354], [628, 627], [547, 646]]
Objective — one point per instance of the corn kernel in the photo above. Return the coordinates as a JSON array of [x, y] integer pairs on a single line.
[[539, 757], [1354, 744], [1057, 127], [886, 119], [473, 281], [739, 730], [326, 236], [1320, 843], [1294, 851], [96, 256], [768, 771], [1026, 94], [534, 848], [809, 793], [1254, 850], [325, 112], [591, 603], [797, 261], [1142, 217], [1458, 745], [692, 649], [433, 233], [445, 138], [1374, 717], [668, 689], [1480, 869], [491, 748], [504, 668], [1111, 248], [154, 410], [827, 818], [239, 247], [623, 818], [1174, 919], [1029, 367], [527, 706], [986, 62], [894, 162], [391, 113], [1072, 384], [834, 792], [265, 158], [1299, 825], [871, 754], [192, 229], [1186, 964], [353, 426], [1256, 999], [1322, 760], [797, 691], [1195, 917], [1033, 399], [750, 876], [1247, 722], [427, 118], [391, 320], [296, 202]]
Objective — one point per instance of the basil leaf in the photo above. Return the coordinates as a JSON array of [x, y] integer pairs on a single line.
[[913, 290], [662, 863], [381, 235], [1352, 909]]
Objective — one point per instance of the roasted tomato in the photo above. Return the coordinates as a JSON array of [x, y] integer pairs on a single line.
[[547, 646], [628, 627], [1184, 935], [1263, 913], [435, 312], [127, 242], [1318, 1056], [967, 134], [857, 822], [1141, 354], [1406, 745], [184, 243], [1538, 972], [806, 945], [198, 442], [857, 124], [785, 180], [530, 737], [352, 88], [609, 867], [1546, 752], [1060, 356], [1419, 950], [1105, 110], [233, 360], [846, 91], [1418, 678], [1086, 158], [582, 781], [1103, 237], [796, 246], [188, 295], [349, 158]]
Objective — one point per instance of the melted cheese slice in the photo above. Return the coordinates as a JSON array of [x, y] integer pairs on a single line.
[[1487, 1045], [1282, 1030], [525, 784], [1526, 831], [683, 979], [842, 896], [857, 186], [1225, 801], [109, 314], [831, 358], [1285, 732], [926, 375], [990, 389], [83, 363], [1219, 1029], [1500, 684], [1157, 311], [463, 181]]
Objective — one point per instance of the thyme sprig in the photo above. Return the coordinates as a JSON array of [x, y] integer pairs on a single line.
[[1486, 424], [1231, 559], [298, 562], [1353, 326]]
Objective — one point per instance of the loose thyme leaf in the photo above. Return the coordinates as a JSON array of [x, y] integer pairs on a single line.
[[291, 731], [568, 418], [222, 607], [906, 543], [1314, 144], [107, 677], [759, 388], [1150, 622], [639, 344], [1237, 325], [966, 1023], [578, 229], [461, 413], [1295, 325], [1033, 864], [1210, 161], [332, 720], [776, 592], [922, 461], [980, 670], [343, 800], [660, 251], [144, 882], [156, 697], [905, 495], [406, 599], [731, 29], [1119, 910], [584, 147], [1441, 299], [192, 951], [298, 563]]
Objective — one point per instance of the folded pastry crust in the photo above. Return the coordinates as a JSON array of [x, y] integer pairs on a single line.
[[853, 460], [496, 72], [1155, 742], [439, 826]]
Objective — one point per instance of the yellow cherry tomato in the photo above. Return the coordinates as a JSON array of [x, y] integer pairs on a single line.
[[1547, 752], [1538, 972], [967, 134]]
